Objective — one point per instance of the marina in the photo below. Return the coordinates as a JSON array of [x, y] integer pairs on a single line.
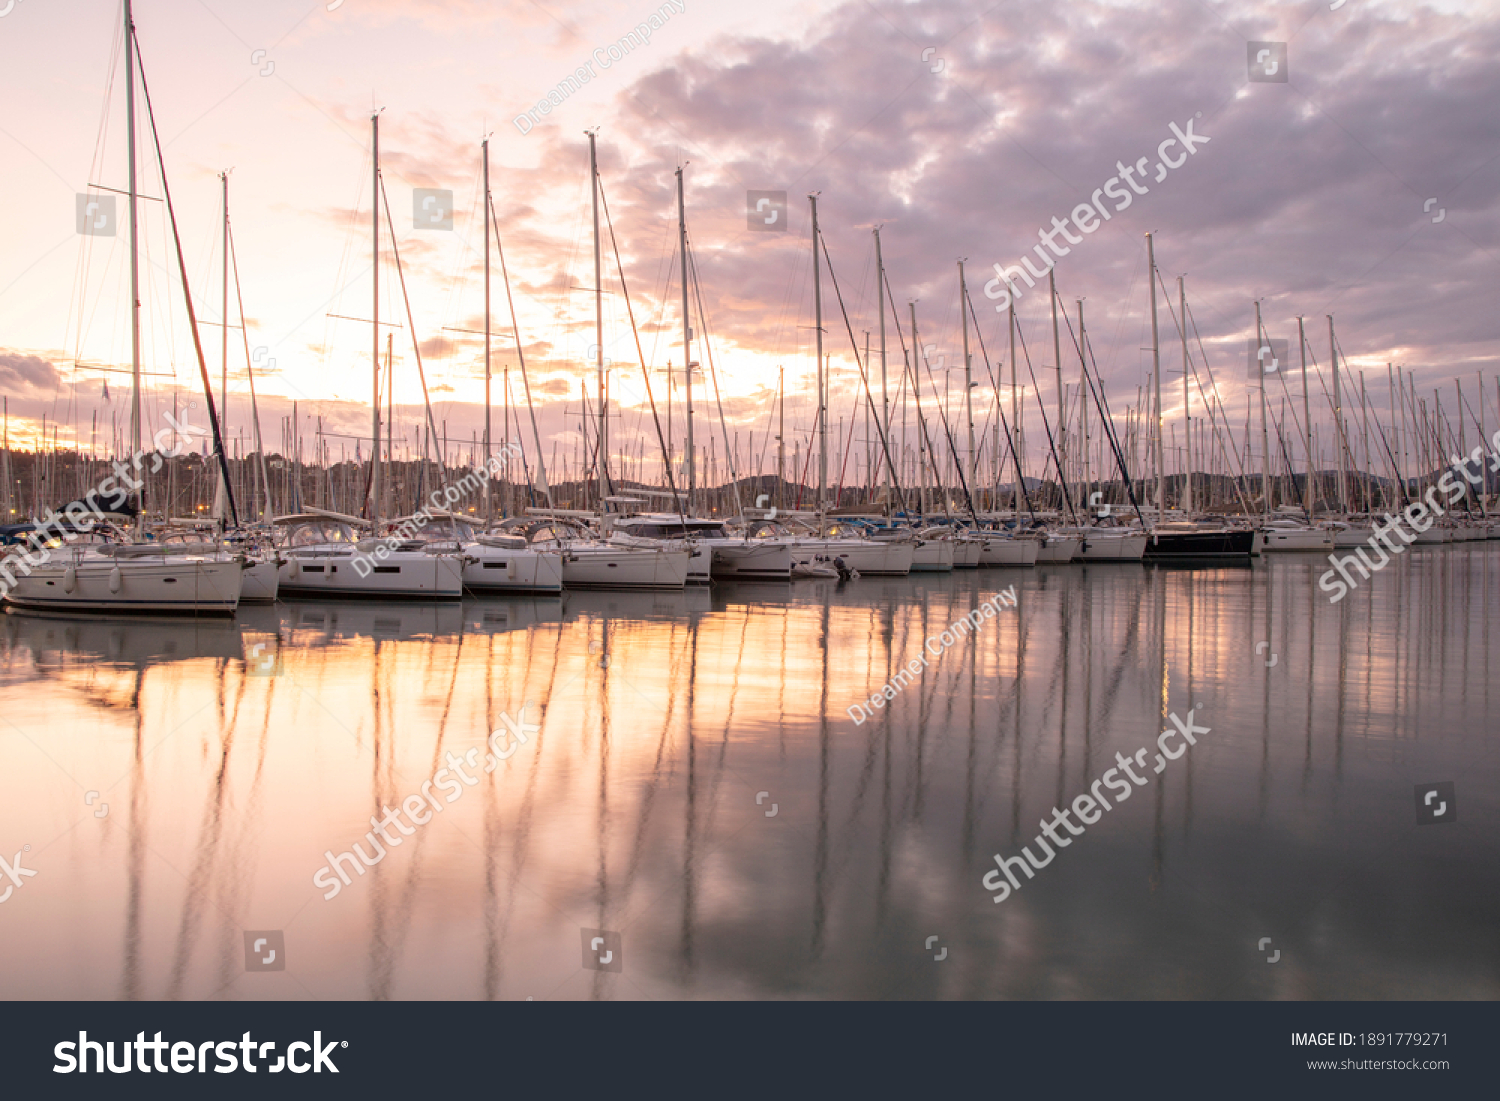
[[795, 525]]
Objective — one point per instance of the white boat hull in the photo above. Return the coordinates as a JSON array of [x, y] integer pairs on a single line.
[[966, 553], [751, 560], [1059, 548], [260, 582], [96, 583], [866, 556], [700, 568], [400, 574], [1003, 550], [616, 567], [1298, 539], [497, 569], [1110, 546], [932, 556]]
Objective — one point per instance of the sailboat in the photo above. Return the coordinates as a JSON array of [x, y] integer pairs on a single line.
[[715, 549], [589, 560], [814, 538], [321, 555], [1183, 538], [102, 571]]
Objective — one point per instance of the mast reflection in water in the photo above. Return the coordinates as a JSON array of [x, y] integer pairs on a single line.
[[697, 787]]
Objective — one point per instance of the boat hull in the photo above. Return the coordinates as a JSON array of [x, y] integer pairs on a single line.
[[932, 556], [410, 575], [866, 556], [1200, 544], [751, 561], [607, 567], [494, 569], [1059, 548], [260, 583], [1003, 550], [966, 553], [1297, 539], [172, 586], [1113, 547]]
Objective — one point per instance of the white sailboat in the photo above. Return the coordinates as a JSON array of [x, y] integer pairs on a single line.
[[492, 561], [591, 563], [102, 572], [322, 556], [716, 551], [1292, 535], [99, 576]]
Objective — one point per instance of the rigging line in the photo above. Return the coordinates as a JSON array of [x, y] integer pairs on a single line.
[[1208, 403], [864, 377], [665, 275], [1281, 442], [410, 320], [1395, 470], [713, 374], [910, 365], [1041, 407], [1206, 398], [1242, 486], [520, 355], [234, 261], [1101, 405], [952, 447], [1010, 446], [208, 394], [1342, 438], [645, 371]]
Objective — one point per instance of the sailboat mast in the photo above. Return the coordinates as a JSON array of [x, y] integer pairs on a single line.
[[1062, 426], [135, 253], [1015, 412], [922, 453], [489, 510], [224, 310], [1338, 418], [1306, 417], [822, 379], [687, 341], [1265, 439], [963, 298], [223, 346], [1083, 403], [1156, 418], [885, 401], [1187, 405], [375, 323], [603, 451]]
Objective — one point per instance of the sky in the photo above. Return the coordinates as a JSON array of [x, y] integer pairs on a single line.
[[1362, 185]]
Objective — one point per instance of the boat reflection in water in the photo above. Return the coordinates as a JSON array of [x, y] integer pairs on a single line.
[[696, 783]]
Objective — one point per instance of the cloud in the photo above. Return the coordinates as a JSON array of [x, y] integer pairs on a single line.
[[22, 372]]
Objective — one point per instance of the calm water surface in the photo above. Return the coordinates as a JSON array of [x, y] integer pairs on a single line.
[[232, 756]]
